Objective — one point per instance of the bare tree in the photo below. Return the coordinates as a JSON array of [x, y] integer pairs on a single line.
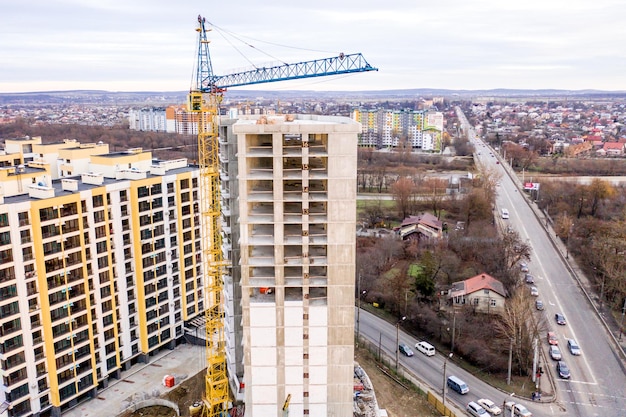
[[598, 191], [403, 191], [519, 327]]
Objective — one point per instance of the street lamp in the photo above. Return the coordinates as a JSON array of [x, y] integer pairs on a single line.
[[443, 388], [621, 327], [358, 310], [569, 232], [398, 341]]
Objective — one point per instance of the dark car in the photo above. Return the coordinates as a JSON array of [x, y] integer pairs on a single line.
[[529, 279], [562, 369], [560, 319], [405, 349]]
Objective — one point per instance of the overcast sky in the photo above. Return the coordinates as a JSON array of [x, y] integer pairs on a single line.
[[151, 45]]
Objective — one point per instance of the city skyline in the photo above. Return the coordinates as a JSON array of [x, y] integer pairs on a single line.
[[151, 46]]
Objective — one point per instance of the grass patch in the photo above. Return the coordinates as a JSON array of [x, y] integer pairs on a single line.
[[415, 270], [384, 205]]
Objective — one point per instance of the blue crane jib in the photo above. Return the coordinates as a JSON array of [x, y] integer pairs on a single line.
[[342, 64], [207, 82]]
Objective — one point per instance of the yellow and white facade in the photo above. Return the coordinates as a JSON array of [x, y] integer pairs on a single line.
[[97, 271]]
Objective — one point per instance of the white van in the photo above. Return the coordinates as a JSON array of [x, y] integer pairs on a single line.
[[505, 213], [426, 348]]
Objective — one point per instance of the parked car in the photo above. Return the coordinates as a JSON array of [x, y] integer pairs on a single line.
[[562, 369], [529, 279], [523, 266], [573, 347], [552, 338], [490, 406], [555, 353], [539, 305], [534, 291], [517, 410], [476, 410], [405, 349], [560, 319]]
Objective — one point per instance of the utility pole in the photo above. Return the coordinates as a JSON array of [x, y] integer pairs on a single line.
[[508, 377], [534, 359], [443, 388], [398, 341], [453, 328], [621, 327], [358, 310]]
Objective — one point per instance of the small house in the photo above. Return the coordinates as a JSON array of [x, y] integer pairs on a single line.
[[483, 292]]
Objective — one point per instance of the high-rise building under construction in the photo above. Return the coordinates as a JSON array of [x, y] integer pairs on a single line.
[[289, 221]]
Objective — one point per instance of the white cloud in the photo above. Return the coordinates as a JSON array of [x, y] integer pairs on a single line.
[[151, 44]]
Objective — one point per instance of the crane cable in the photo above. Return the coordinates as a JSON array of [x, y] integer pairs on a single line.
[[224, 33]]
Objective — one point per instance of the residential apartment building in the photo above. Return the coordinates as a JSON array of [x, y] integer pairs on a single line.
[[421, 129], [289, 204], [171, 119], [149, 119], [98, 271]]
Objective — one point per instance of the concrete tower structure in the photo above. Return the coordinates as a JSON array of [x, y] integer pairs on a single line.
[[295, 190]]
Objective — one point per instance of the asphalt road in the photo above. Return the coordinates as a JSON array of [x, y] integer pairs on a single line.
[[429, 369], [598, 381]]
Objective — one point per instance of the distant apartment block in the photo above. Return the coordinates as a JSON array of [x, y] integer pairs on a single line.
[[171, 119], [98, 270], [289, 221], [421, 129], [151, 119]]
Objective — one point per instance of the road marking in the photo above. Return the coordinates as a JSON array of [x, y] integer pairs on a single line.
[[576, 382]]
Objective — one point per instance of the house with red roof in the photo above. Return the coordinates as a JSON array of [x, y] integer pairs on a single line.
[[483, 292], [611, 149]]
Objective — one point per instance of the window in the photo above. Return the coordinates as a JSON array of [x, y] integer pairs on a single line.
[[142, 192], [98, 201], [5, 238], [25, 236], [103, 262], [98, 216], [23, 218], [492, 302], [123, 195]]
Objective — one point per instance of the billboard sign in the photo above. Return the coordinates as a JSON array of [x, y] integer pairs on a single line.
[[531, 186]]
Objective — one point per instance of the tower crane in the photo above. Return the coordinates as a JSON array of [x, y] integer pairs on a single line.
[[204, 100]]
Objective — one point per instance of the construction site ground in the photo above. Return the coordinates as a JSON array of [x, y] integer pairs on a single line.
[[398, 401]]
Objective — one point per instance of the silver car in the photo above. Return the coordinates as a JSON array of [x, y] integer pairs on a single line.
[[555, 352], [573, 347]]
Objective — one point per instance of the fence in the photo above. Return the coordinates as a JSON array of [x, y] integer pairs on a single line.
[[405, 378]]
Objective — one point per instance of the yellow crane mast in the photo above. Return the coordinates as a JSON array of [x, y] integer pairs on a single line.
[[203, 102]]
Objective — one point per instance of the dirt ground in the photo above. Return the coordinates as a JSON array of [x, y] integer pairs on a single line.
[[398, 401]]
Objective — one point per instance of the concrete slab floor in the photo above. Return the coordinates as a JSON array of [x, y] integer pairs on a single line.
[[143, 381]]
